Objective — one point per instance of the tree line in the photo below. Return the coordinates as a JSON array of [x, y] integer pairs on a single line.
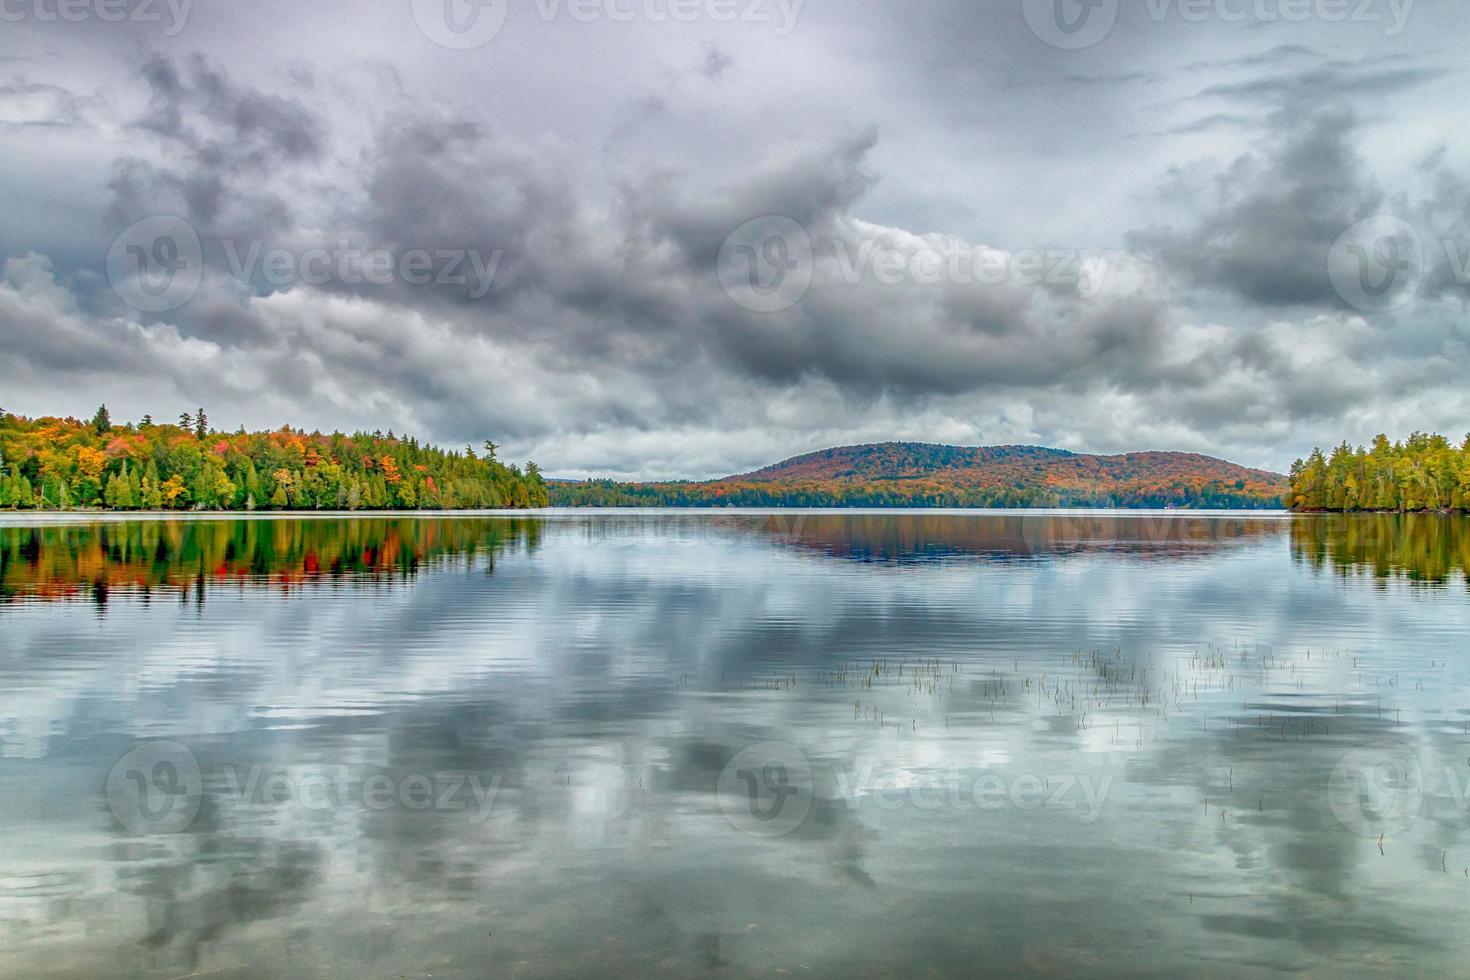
[[1422, 473], [935, 492], [67, 463]]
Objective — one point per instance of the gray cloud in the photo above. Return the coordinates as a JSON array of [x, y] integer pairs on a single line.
[[1275, 216], [606, 343]]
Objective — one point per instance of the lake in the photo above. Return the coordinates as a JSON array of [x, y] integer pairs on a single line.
[[735, 744]]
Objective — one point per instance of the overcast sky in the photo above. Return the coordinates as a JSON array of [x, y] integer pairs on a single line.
[[660, 238]]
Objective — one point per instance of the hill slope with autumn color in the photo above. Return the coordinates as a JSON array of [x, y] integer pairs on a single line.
[[919, 475]]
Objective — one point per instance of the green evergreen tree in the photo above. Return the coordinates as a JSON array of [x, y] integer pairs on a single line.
[[149, 496], [126, 498]]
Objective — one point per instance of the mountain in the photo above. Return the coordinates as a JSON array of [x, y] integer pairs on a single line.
[[921, 475]]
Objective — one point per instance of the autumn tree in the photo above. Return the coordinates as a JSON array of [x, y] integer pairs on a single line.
[[59, 463], [1422, 473]]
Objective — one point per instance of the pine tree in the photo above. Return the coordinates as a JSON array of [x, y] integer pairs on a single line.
[[249, 480], [126, 499], [149, 496], [408, 497], [102, 421]]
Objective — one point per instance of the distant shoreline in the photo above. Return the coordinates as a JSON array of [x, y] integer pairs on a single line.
[[21, 518]]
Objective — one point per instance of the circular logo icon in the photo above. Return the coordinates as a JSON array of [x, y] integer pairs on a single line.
[[1071, 24], [766, 791], [460, 25], [155, 789], [781, 530], [1377, 265], [1051, 536], [156, 264], [786, 528], [1377, 790], [766, 264]]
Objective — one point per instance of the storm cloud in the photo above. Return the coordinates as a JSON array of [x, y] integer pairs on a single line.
[[688, 248]]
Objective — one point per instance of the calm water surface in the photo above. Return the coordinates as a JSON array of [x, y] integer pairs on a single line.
[[735, 744]]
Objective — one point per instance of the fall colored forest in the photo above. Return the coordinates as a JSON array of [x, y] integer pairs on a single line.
[[918, 475], [1422, 473], [64, 464]]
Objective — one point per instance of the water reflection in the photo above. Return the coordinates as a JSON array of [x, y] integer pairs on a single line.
[[72, 560], [920, 537], [1422, 547], [49, 560], [1091, 746]]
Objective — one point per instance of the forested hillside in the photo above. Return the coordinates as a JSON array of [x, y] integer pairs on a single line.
[[918, 475], [59, 464], [1422, 473]]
